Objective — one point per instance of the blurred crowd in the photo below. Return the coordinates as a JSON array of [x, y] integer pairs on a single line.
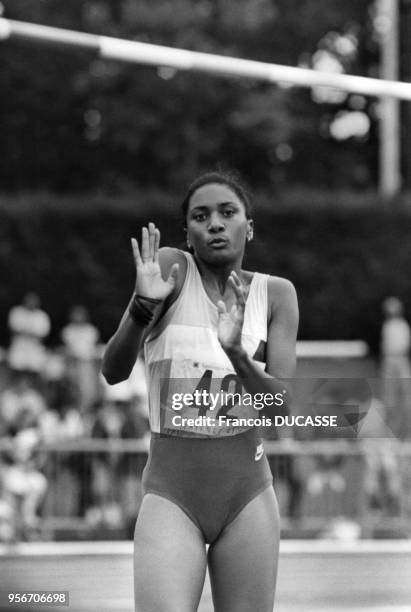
[[58, 398], [54, 397]]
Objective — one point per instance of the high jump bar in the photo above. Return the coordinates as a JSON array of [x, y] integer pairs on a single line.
[[193, 61]]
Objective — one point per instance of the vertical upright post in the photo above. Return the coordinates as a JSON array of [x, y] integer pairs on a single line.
[[389, 126], [405, 75]]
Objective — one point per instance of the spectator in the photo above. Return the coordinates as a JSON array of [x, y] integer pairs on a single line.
[[7, 527], [19, 398], [29, 326], [65, 470], [80, 338], [62, 422], [383, 485], [395, 365], [333, 396], [135, 427], [286, 470], [104, 509], [24, 484]]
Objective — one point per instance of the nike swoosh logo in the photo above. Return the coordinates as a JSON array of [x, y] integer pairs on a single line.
[[259, 452]]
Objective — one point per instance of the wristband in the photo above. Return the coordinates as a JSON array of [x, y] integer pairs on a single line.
[[139, 312]]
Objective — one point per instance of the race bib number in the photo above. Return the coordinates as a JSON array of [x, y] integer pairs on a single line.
[[205, 401]]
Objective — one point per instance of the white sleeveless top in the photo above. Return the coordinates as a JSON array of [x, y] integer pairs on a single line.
[[183, 354]]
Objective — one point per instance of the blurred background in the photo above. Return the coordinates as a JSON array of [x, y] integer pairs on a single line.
[[92, 149]]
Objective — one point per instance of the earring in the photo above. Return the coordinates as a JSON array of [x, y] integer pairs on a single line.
[[249, 236], [188, 245]]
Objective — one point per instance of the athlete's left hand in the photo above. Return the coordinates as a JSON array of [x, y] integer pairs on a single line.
[[230, 324]]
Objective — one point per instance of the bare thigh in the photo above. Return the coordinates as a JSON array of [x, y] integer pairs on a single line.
[[169, 558], [243, 561]]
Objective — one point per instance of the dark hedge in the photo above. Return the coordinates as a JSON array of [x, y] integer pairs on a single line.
[[343, 260]]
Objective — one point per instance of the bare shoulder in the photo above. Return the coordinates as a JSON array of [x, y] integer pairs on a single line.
[[277, 285], [168, 256], [282, 296]]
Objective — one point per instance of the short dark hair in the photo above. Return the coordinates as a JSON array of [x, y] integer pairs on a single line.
[[230, 179]]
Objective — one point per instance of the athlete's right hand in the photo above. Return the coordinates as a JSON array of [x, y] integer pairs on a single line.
[[149, 282]]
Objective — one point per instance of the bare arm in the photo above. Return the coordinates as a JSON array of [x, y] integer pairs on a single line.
[[122, 349], [281, 342]]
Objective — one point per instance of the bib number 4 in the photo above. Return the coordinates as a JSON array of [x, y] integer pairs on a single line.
[[230, 392]]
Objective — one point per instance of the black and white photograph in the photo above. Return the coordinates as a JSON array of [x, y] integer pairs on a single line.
[[205, 298]]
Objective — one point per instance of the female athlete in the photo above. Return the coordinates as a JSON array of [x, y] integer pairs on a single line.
[[208, 326]]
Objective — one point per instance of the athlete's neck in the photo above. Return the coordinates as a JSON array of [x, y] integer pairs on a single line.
[[216, 277]]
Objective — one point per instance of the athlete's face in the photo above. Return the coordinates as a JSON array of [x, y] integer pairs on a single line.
[[217, 225]]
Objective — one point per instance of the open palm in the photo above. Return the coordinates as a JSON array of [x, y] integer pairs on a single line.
[[230, 323], [149, 282]]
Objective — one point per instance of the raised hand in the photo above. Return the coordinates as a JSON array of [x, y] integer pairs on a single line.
[[230, 324], [149, 282]]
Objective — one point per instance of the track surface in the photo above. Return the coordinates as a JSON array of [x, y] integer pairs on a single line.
[[313, 576]]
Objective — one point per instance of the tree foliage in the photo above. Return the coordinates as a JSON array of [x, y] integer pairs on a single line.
[[343, 260], [73, 122]]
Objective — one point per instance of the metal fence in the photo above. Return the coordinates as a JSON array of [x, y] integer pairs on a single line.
[[335, 488]]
